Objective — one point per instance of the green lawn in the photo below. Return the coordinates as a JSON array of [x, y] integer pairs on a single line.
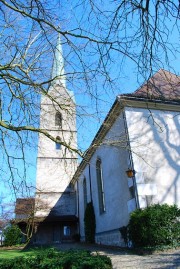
[[8, 254]]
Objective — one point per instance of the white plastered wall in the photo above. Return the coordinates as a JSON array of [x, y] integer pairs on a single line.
[[155, 143], [55, 168], [115, 159]]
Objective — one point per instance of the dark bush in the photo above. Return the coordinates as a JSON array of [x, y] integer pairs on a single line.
[[89, 223], [124, 233], [52, 259], [99, 262], [12, 235], [156, 225]]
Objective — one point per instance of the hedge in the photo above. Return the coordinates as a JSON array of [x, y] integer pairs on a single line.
[[52, 259], [155, 225]]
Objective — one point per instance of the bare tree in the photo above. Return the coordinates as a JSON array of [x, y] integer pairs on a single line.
[[99, 39], [6, 213]]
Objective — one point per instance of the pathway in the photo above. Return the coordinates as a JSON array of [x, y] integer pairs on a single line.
[[121, 259]]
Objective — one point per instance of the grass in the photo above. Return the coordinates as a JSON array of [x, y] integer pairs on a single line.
[[13, 253], [8, 254]]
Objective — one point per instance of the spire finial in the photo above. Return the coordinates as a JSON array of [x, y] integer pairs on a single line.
[[58, 63]]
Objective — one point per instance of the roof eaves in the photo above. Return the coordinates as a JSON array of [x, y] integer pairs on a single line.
[[154, 99], [109, 120], [141, 101]]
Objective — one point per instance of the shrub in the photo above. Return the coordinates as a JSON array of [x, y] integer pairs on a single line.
[[156, 225], [12, 235], [58, 260], [124, 233], [89, 223]]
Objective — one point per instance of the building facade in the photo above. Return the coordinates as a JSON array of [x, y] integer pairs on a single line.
[[132, 162], [141, 135]]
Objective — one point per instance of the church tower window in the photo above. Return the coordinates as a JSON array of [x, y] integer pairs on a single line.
[[58, 144], [100, 186], [58, 119]]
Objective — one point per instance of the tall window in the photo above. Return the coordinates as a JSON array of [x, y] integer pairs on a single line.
[[85, 193], [58, 119], [58, 144], [100, 186]]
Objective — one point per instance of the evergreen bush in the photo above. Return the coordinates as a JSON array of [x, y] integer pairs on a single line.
[[12, 235], [58, 260], [155, 225], [89, 223], [124, 233]]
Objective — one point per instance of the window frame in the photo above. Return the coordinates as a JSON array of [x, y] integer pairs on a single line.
[[58, 145], [85, 192], [66, 231], [100, 186], [58, 119]]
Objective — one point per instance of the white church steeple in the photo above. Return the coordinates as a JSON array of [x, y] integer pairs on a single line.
[[58, 64], [56, 163]]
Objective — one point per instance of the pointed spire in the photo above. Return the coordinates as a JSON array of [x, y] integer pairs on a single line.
[[58, 63]]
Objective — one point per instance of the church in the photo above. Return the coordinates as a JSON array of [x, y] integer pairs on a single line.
[[132, 162]]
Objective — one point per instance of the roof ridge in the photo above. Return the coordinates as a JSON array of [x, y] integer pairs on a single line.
[[163, 84]]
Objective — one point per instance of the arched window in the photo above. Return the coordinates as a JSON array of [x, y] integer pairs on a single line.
[[100, 186], [85, 193], [58, 119], [58, 144]]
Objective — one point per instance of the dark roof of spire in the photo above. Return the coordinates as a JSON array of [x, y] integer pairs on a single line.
[[163, 86], [24, 206]]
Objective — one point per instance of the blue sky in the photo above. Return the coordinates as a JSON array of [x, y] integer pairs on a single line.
[[93, 103]]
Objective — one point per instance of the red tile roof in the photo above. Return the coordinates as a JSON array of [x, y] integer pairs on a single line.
[[163, 85]]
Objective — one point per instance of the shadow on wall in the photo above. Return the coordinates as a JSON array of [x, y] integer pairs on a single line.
[[60, 225], [171, 149], [156, 153]]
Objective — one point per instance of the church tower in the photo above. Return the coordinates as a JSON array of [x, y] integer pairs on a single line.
[[56, 161]]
